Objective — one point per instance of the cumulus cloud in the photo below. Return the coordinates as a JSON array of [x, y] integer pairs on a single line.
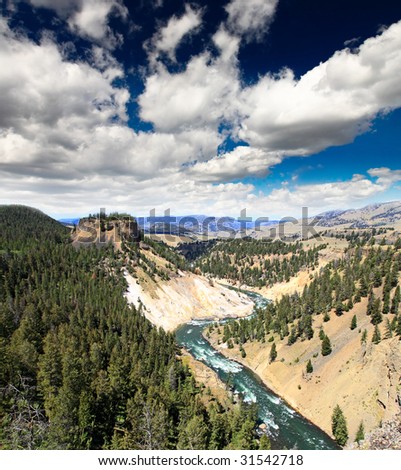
[[279, 115], [250, 18], [323, 196], [183, 195], [331, 104], [203, 95], [64, 131], [61, 119], [169, 36], [62, 7], [241, 162], [88, 18], [385, 176]]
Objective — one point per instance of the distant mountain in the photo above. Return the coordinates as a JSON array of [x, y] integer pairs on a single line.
[[194, 224], [69, 221], [374, 215]]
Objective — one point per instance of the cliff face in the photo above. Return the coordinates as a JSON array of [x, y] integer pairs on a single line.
[[183, 298]]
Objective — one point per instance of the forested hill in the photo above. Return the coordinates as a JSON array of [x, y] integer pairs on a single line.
[[256, 263], [80, 368], [21, 226]]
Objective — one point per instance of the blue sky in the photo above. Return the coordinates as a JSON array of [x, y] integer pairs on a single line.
[[200, 107]]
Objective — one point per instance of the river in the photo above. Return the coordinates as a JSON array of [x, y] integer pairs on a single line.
[[286, 428]]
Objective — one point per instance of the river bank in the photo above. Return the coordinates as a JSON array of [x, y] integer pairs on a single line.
[[286, 428], [362, 378]]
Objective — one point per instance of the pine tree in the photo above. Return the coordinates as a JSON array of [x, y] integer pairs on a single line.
[[339, 309], [376, 317], [371, 302], [309, 367], [395, 304], [386, 303], [398, 327], [264, 443], [364, 336], [353, 323], [193, 434], [326, 346], [388, 332], [339, 426], [273, 353], [360, 434], [377, 281], [363, 288], [376, 338]]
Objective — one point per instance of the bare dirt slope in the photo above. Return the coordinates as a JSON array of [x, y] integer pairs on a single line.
[[183, 298], [364, 379]]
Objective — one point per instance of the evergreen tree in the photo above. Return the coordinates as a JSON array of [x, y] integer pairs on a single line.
[[326, 346], [376, 338], [386, 303], [339, 426], [376, 316], [264, 443], [193, 434], [398, 327], [395, 304], [364, 336], [360, 434], [309, 367], [388, 332], [273, 353], [339, 309]]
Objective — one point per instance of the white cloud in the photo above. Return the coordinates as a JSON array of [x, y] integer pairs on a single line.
[[62, 7], [385, 176], [239, 163], [39, 88], [169, 37], [61, 119], [359, 190], [88, 18], [64, 132], [203, 95], [250, 18], [279, 115], [329, 105]]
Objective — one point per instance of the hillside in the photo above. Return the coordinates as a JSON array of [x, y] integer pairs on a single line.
[[184, 297], [360, 284], [159, 278], [81, 368], [375, 215], [21, 226], [362, 379]]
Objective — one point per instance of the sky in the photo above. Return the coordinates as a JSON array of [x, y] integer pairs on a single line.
[[201, 107]]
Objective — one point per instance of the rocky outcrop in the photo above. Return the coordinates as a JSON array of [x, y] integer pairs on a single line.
[[386, 437]]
